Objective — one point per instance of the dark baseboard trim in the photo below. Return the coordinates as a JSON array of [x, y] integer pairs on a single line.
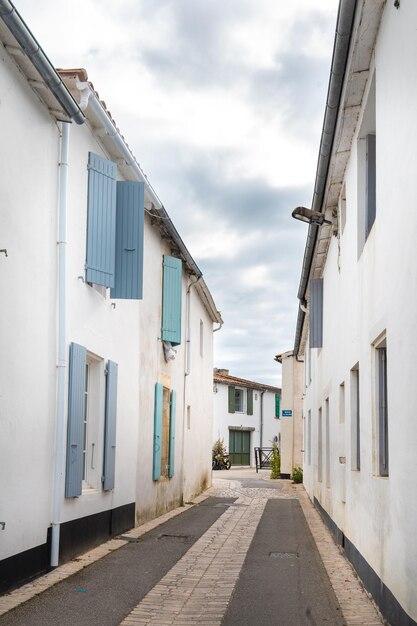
[[389, 606], [76, 537]]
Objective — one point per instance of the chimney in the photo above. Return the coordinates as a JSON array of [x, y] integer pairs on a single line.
[[222, 372]]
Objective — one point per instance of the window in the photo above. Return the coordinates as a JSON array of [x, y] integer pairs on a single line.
[[366, 150], [316, 313], [188, 417], [171, 299], [239, 400], [327, 407], [164, 432], [91, 426], [355, 418], [115, 226], [320, 448], [201, 338], [309, 437], [382, 407]]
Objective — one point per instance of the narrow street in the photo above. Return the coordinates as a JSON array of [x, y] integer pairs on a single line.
[[243, 555]]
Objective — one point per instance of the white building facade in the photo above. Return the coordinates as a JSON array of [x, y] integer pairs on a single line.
[[246, 416], [100, 293], [356, 323]]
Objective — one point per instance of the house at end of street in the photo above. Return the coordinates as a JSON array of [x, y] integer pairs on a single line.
[[245, 415]]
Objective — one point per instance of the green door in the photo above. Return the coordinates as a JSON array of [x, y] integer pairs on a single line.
[[239, 447]]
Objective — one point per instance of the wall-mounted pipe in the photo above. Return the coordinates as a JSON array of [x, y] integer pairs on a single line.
[[62, 346]]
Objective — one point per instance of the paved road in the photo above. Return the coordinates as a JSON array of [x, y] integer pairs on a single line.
[[244, 556]]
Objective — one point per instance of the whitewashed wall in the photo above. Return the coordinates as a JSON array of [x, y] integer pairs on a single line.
[[192, 445], [370, 295], [27, 364]]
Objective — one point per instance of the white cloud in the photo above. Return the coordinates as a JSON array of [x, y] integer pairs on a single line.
[[222, 104]]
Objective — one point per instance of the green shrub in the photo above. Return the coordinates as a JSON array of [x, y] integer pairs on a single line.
[[275, 461], [297, 475]]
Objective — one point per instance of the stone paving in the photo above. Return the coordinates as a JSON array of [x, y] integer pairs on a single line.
[[198, 588]]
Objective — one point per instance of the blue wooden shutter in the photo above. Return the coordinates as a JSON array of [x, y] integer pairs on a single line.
[[171, 299], [157, 431], [172, 413], [316, 313], [109, 463], [128, 277], [75, 425], [101, 221]]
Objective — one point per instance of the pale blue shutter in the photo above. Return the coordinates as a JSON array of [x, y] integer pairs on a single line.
[[171, 299], [109, 464], [157, 433], [172, 413], [101, 221], [128, 276], [316, 313], [75, 425]]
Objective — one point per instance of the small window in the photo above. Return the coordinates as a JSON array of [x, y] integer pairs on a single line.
[[327, 406], [188, 417], [239, 401], [309, 437], [355, 418], [382, 406], [320, 448], [201, 338]]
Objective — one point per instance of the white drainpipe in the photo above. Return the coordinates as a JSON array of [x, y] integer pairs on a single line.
[[62, 346]]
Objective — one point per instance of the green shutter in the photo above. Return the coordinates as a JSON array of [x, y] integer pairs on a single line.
[[231, 399], [171, 299], [172, 412], [277, 405], [157, 434], [249, 404]]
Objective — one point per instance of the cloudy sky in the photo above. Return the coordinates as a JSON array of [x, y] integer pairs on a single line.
[[222, 103]]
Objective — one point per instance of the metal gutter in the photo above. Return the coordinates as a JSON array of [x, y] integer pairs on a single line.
[[113, 132], [39, 60], [344, 27]]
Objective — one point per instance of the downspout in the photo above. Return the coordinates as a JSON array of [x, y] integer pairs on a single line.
[[187, 370], [62, 362]]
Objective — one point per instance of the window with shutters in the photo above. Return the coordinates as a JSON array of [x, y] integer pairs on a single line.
[[381, 393], [164, 432], [91, 424], [115, 230]]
